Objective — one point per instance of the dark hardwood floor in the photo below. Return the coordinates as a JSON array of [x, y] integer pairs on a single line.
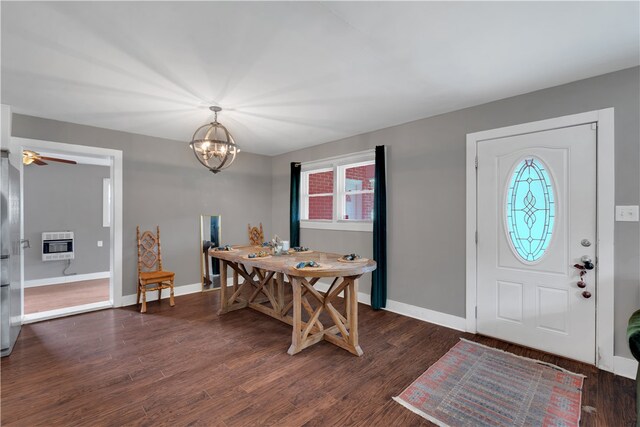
[[187, 366]]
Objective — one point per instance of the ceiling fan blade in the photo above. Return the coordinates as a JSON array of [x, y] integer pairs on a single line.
[[55, 159], [39, 162]]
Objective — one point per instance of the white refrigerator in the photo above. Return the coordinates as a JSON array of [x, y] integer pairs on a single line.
[[10, 253]]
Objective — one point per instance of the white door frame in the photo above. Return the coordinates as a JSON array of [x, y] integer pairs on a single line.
[[605, 193], [115, 156]]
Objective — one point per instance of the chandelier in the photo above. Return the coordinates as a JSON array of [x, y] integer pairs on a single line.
[[213, 145]]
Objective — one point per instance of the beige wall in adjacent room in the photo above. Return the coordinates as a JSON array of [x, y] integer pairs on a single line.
[[62, 197]]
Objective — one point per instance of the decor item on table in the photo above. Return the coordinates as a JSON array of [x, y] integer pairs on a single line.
[[277, 246], [300, 249], [352, 258], [379, 277], [294, 204], [481, 386], [150, 270], [261, 254], [213, 145], [307, 264], [226, 248], [256, 235]]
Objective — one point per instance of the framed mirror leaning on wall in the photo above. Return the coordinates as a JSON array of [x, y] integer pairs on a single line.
[[210, 237]]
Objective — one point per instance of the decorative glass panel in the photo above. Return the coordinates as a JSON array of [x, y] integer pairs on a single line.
[[530, 209]]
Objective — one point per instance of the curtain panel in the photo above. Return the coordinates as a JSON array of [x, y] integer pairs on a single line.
[[379, 278], [294, 209]]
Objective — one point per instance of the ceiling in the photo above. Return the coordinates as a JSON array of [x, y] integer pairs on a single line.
[[295, 74]]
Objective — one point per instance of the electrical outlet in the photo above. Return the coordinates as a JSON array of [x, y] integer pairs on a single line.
[[99, 243], [626, 213]]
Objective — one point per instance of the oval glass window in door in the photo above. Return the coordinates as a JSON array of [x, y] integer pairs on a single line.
[[530, 209]]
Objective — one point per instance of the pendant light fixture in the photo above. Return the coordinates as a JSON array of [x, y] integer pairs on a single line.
[[213, 145]]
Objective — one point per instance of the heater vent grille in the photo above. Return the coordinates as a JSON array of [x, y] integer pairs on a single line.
[[58, 245]]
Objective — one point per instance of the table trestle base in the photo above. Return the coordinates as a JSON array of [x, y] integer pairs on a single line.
[[264, 291]]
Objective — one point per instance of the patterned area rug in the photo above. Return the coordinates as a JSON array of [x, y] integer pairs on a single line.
[[476, 385]]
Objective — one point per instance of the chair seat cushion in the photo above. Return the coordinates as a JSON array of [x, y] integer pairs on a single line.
[[633, 334], [156, 275]]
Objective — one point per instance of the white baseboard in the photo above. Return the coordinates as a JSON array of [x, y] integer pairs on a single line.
[[420, 313], [625, 367], [426, 315], [66, 279], [67, 311], [178, 290]]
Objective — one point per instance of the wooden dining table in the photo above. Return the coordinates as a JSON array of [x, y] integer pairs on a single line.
[[265, 283]]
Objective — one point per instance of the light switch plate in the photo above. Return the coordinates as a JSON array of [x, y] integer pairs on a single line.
[[99, 243], [627, 213]]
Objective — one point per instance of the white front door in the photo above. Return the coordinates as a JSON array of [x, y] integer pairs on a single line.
[[536, 207]]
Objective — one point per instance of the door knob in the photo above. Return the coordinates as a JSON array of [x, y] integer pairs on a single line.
[[587, 264], [586, 294], [582, 284]]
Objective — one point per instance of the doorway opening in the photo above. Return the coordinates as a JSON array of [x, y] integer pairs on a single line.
[[72, 220]]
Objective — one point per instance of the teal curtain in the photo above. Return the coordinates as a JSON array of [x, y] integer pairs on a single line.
[[379, 278], [294, 211]]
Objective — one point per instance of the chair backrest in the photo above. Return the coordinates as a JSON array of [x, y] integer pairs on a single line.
[[256, 235], [149, 253]]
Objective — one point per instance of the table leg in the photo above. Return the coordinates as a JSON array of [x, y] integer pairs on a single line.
[[347, 306], [207, 276], [280, 291], [296, 338], [235, 281], [352, 315], [224, 303]]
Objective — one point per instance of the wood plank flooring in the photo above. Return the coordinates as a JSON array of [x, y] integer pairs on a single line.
[[52, 297], [188, 366]]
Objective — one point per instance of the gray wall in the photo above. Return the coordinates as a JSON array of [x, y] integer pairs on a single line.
[[164, 184], [65, 197], [426, 191]]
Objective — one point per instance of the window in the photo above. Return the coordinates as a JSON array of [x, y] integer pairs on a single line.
[[356, 191], [338, 193], [320, 195]]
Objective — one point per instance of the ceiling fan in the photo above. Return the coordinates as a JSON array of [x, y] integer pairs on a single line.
[[29, 157]]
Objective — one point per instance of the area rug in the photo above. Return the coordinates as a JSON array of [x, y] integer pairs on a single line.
[[476, 385]]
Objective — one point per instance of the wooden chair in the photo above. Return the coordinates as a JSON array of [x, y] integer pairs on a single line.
[[150, 268], [256, 236]]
